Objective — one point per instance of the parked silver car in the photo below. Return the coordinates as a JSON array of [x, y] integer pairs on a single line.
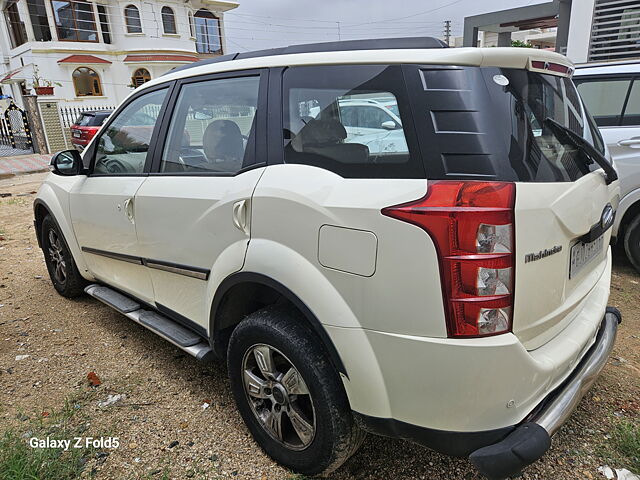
[[612, 95]]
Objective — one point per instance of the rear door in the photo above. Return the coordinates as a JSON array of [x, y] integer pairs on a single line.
[[193, 214]]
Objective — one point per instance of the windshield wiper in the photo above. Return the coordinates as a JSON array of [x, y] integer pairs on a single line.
[[584, 146]]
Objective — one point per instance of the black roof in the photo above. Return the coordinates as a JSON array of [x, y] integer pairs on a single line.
[[342, 46]]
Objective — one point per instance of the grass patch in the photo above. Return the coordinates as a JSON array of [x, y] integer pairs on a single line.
[[19, 461], [626, 440]]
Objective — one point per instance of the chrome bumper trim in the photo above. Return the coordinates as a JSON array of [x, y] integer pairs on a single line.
[[559, 407]]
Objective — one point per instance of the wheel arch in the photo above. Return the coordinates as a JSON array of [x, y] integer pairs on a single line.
[[242, 293], [42, 208], [629, 208]]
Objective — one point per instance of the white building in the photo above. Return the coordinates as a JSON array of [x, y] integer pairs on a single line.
[[584, 30], [95, 51]]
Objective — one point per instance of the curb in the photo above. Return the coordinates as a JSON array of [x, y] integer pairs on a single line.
[[4, 176]]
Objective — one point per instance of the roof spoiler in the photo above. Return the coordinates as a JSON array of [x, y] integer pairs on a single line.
[[342, 46]]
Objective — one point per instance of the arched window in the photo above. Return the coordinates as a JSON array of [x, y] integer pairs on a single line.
[[86, 82], [140, 76], [132, 19], [208, 38], [168, 20]]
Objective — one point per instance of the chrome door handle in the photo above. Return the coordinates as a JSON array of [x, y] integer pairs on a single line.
[[630, 142], [240, 216], [128, 209]]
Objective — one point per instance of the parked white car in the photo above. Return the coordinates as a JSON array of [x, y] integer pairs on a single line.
[[451, 290], [373, 122], [612, 94]]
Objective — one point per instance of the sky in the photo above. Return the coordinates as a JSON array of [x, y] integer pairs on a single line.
[[258, 24]]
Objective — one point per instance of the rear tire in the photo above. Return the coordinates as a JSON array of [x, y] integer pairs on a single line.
[[632, 242], [62, 268], [327, 435]]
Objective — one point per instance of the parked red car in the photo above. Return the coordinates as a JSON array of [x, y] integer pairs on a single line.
[[86, 126]]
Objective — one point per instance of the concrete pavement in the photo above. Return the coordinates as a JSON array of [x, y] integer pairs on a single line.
[[31, 163]]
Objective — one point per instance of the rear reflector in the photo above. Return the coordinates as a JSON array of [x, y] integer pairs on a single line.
[[552, 67], [472, 227]]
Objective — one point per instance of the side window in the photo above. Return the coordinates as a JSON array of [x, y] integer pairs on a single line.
[[632, 111], [335, 118], [124, 145], [604, 99], [212, 127]]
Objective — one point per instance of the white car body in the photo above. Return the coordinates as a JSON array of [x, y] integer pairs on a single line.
[[176, 243]]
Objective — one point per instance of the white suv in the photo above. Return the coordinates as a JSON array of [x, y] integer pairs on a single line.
[[452, 291]]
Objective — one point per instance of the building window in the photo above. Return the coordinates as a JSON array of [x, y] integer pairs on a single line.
[[39, 20], [140, 76], [103, 18], [168, 21], [132, 19], [86, 82], [208, 37], [74, 21], [17, 32], [192, 30]]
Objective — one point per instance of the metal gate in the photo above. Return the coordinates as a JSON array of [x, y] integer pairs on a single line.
[[15, 132]]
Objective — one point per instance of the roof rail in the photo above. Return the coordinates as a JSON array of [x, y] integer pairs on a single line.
[[342, 46]]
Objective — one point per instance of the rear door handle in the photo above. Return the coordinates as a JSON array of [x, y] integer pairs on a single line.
[[240, 214], [631, 142], [128, 209]]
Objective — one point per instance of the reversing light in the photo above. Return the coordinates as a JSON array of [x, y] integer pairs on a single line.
[[472, 227]]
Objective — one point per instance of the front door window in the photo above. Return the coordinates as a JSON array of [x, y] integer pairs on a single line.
[[124, 145]]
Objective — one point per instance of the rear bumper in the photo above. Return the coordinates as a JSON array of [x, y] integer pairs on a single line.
[[531, 439], [505, 451]]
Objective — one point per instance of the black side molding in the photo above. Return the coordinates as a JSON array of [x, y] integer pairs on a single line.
[[177, 268]]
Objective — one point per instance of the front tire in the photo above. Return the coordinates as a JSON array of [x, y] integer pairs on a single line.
[[632, 242], [62, 268], [288, 393]]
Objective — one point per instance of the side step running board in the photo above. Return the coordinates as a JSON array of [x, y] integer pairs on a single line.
[[166, 328]]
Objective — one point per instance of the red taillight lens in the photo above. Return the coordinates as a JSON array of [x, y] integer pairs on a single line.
[[472, 227]]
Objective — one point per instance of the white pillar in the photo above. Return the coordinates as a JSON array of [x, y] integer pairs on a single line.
[[580, 30]]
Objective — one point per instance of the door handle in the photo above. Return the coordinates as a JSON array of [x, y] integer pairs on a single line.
[[631, 142], [128, 209], [240, 216]]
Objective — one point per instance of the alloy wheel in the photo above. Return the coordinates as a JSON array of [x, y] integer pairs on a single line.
[[279, 397], [56, 256]]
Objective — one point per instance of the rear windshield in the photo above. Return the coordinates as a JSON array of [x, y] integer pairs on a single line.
[[491, 123], [91, 119], [436, 122]]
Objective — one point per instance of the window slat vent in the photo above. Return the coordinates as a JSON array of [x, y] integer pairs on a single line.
[[615, 34]]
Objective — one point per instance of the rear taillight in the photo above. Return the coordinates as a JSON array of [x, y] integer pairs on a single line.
[[472, 227]]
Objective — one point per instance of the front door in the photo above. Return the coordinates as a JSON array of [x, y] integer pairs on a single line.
[[193, 212], [102, 206]]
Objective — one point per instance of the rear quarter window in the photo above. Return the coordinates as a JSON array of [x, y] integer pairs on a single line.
[[334, 118], [605, 98]]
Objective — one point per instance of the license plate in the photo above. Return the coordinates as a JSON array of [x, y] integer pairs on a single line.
[[76, 134], [583, 253]]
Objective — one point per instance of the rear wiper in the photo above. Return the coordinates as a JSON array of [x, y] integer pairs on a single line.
[[584, 146]]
